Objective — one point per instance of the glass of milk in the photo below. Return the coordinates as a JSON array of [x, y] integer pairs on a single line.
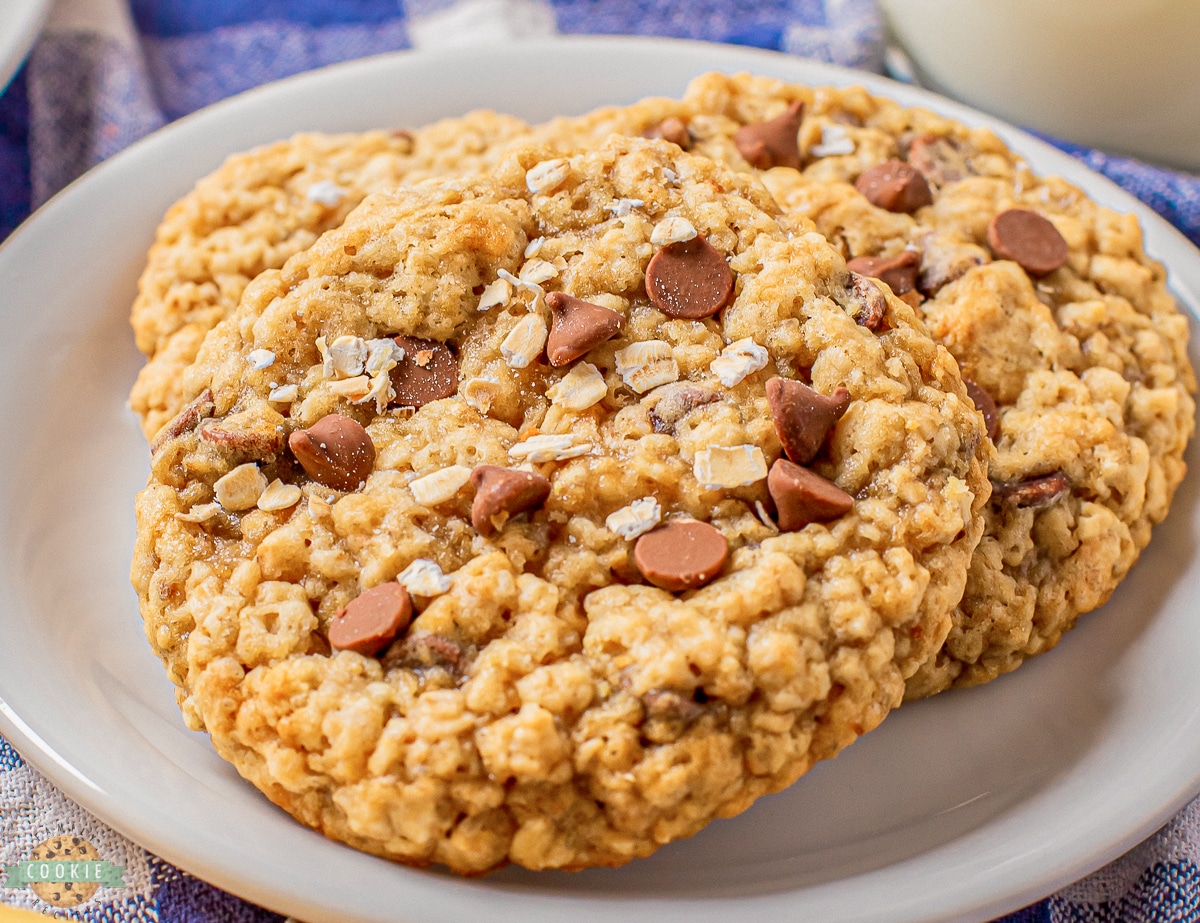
[[1120, 75]]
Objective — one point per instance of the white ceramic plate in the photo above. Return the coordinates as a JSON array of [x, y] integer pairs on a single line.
[[20, 21], [958, 808]]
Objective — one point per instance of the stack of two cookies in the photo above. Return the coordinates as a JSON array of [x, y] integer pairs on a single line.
[[540, 494]]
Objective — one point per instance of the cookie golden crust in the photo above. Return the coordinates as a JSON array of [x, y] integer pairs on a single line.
[[258, 209], [1084, 356], [550, 703]]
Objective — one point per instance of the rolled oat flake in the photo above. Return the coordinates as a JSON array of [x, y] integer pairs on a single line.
[[683, 554]]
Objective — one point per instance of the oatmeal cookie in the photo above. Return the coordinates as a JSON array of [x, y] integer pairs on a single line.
[[1074, 349], [258, 209], [546, 517]]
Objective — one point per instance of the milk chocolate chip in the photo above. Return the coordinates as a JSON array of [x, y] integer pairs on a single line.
[[803, 417], [681, 555], [802, 496], [689, 279], [425, 650], [201, 408], [576, 326], [335, 451], [896, 186], [672, 129], [1028, 239], [774, 143], [1034, 492], [428, 372], [942, 262], [504, 492], [899, 271], [985, 405], [676, 401], [869, 300], [938, 159], [372, 619]]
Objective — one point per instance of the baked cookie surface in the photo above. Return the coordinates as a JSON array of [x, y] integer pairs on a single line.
[[1046, 299], [479, 545], [259, 208]]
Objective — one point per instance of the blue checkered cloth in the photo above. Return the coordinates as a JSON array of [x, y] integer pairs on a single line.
[[104, 74]]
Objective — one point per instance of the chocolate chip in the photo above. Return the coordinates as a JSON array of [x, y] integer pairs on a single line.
[[504, 492], [577, 326], [899, 271], [985, 405], [1034, 492], [802, 496], [425, 650], [1028, 239], [682, 554], [672, 129], [942, 262], [371, 620], [201, 408], [428, 372], [938, 159], [676, 401], [689, 279], [866, 296], [669, 705], [773, 143], [335, 451], [244, 443], [896, 186], [803, 416]]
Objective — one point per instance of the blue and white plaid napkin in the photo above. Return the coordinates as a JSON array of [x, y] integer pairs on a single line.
[[106, 72]]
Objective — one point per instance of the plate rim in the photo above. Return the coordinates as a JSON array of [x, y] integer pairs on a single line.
[[19, 37], [1166, 243]]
